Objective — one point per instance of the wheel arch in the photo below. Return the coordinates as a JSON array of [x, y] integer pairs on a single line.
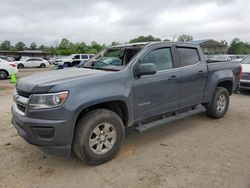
[[227, 84], [118, 106]]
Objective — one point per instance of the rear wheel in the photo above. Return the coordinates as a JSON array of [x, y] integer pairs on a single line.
[[3, 74], [20, 66], [219, 105], [98, 136], [42, 65]]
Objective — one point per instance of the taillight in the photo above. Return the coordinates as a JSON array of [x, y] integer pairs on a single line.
[[241, 73], [13, 65]]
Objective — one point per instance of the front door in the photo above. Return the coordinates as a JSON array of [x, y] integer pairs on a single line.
[[29, 63], [159, 93]]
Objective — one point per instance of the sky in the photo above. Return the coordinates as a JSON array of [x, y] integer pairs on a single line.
[[48, 21]]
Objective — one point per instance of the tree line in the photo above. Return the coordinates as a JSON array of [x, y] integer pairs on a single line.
[[66, 47]]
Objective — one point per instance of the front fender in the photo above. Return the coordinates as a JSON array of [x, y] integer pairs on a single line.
[[101, 93]]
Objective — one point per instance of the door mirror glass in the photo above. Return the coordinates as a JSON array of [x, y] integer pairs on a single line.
[[146, 69]]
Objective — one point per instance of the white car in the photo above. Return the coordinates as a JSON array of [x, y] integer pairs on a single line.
[[32, 62], [6, 69], [245, 77], [74, 59], [227, 58]]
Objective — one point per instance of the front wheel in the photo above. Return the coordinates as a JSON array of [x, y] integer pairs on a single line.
[[219, 105], [3, 74], [20, 66], [98, 136]]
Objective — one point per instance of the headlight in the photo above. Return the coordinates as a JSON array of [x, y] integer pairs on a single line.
[[51, 100]]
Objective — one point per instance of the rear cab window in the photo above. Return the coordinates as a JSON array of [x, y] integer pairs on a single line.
[[188, 56]]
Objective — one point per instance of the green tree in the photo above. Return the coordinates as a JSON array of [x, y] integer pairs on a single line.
[[42, 47], [185, 38], [96, 46], [167, 40], [6, 45], [114, 43], [20, 46], [239, 47], [91, 51], [148, 38], [81, 47], [33, 46]]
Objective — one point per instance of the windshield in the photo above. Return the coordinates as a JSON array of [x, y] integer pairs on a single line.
[[246, 60], [113, 58]]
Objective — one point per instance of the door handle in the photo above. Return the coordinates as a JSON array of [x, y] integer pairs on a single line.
[[172, 77], [200, 72]]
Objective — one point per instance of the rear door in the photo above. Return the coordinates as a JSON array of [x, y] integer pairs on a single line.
[[159, 93], [37, 62], [76, 60], [193, 76]]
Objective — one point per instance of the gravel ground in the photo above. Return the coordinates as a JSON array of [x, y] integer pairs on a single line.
[[195, 152]]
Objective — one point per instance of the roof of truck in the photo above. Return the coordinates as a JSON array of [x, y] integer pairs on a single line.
[[147, 43]]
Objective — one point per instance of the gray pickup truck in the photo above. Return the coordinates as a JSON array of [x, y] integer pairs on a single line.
[[144, 85]]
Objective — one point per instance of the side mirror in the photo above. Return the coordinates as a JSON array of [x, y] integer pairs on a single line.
[[146, 69]]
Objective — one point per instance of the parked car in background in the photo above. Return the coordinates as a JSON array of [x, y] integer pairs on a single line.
[[6, 58], [237, 58], [245, 77], [6, 69], [12, 63], [74, 60], [32, 62]]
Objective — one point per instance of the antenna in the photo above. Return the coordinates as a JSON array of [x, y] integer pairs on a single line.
[[173, 38]]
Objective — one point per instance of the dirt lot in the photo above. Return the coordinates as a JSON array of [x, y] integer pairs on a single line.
[[195, 152]]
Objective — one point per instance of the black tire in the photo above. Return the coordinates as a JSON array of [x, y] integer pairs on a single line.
[[85, 130], [42, 65], [67, 64], [20, 66], [217, 109], [3, 74]]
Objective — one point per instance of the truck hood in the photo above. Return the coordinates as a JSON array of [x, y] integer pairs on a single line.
[[245, 68], [42, 82]]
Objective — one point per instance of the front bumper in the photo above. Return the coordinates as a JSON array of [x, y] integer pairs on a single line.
[[245, 84], [53, 136]]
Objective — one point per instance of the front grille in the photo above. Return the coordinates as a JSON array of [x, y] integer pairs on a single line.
[[23, 94], [245, 76], [21, 107]]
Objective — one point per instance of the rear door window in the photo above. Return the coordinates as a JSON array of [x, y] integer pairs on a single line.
[[188, 56], [37, 59], [84, 56]]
